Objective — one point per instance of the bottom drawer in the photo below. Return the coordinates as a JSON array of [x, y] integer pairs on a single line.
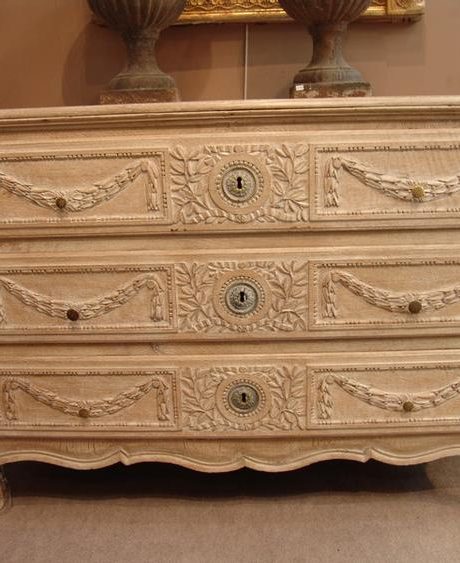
[[226, 396]]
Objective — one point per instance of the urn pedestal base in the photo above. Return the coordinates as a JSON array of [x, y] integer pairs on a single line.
[[139, 96], [330, 90]]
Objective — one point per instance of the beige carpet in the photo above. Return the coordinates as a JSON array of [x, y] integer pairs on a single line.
[[335, 511]]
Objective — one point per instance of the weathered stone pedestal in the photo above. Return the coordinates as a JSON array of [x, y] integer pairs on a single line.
[[328, 74], [139, 22]]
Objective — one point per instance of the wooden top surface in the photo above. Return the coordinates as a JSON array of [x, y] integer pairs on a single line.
[[236, 112]]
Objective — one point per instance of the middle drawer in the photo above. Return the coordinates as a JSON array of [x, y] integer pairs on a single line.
[[295, 294]]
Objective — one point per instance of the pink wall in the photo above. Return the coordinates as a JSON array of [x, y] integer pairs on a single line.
[[52, 54]]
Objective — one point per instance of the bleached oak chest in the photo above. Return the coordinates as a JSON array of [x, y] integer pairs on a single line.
[[218, 285]]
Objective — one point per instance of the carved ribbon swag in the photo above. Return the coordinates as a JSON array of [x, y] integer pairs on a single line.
[[395, 302], [382, 399], [91, 308], [74, 407], [80, 199], [399, 187]]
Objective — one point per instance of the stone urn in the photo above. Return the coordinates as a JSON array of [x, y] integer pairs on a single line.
[[140, 23], [328, 74]]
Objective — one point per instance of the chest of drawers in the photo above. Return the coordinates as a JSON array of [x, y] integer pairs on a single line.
[[229, 284]]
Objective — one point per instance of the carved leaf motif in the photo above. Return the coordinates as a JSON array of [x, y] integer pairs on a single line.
[[288, 283], [288, 395], [190, 171], [199, 399]]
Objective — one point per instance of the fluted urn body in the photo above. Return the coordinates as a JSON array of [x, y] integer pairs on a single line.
[[139, 22], [328, 74]]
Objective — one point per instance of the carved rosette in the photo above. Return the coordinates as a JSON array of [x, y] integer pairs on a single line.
[[328, 74], [272, 179], [281, 292], [280, 405], [139, 22]]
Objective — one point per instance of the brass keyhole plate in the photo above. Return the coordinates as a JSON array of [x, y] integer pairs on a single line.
[[242, 298], [243, 397], [240, 185]]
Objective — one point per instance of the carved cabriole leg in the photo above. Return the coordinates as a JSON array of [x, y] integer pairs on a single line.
[[5, 496]]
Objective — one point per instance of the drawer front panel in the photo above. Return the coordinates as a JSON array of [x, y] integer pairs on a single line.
[[59, 189], [88, 400], [378, 183], [87, 300], [197, 399], [230, 396], [404, 394], [282, 296], [174, 188], [406, 294], [197, 300]]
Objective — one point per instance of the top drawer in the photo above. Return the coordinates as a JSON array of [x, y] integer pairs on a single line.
[[154, 189], [287, 184]]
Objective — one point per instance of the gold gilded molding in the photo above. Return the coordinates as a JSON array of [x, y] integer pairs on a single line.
[[219, 11]]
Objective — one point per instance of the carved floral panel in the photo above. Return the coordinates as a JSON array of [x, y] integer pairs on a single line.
[[280, 290], [279, 406], [277, 175]]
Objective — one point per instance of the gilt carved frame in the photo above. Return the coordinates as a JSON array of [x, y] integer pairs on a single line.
[[219, 11]]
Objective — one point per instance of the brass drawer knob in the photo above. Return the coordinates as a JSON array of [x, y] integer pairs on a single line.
[[61, 202], [83, 413], [418, 193], [73, 315], [415, 307], [408, 406]]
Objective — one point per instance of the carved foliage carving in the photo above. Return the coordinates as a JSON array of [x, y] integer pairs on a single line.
[[284, 387], [286, 164], [286, 300]]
